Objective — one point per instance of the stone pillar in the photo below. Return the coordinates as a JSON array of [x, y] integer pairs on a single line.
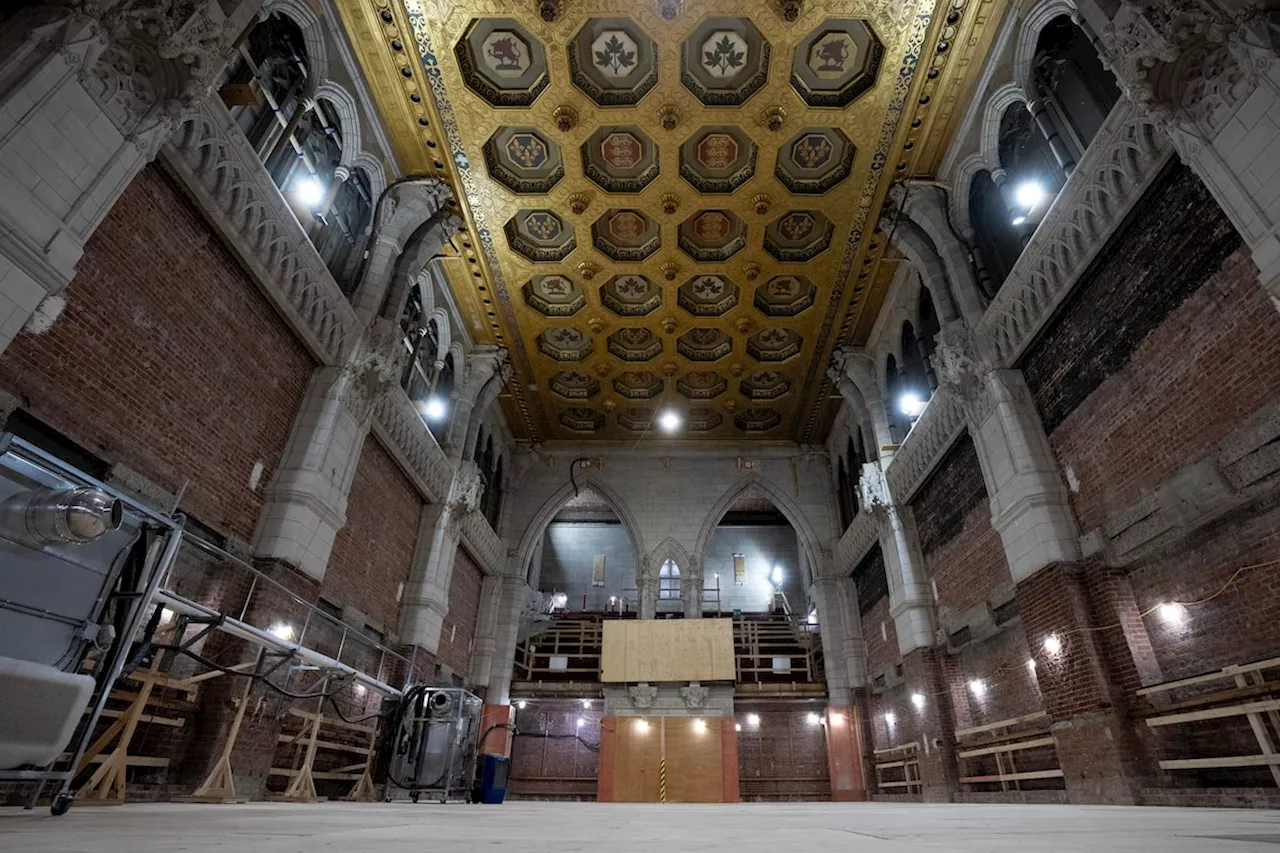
[[647, 587], [910, 594], [1030, 507], [846, 752], [88, 93], [927, 205], [427, 595], [483, 363], [691, 590], [511, 597], [1210, 79], [1048, 127], [825, 595], [854, 377], [1102, 758], [306, 500], [928, 672]]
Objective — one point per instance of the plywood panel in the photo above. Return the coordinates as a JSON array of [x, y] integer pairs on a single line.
[[636, 761], [695, 773], [668, 650]]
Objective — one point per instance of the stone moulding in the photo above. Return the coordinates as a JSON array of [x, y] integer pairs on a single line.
[[399, 426], [938, 427], [1122, 160], [482, 543], [857, 540], [210, 155]]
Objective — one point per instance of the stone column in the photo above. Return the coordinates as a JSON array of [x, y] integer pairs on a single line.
[[854, 377], [1048, 127], [647, 587], [1210, 79], [691, 589], [306, 499], [928, 673], [88, 93], [511, 597], [483, 363], [926, 204], [910, 595]]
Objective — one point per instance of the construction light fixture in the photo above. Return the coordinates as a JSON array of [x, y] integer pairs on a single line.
[[836, 718], [434, 409], [978, 688], [1053, 644], [699, 725], [917, 699], [283, 630], [642, 726], [890, 718], [669, 421], [586, 703], [309, 191], [1031, 664], [813, 616], [813, 719], [522, 704], [911, 404], [753, 720], [1028, 194], [737, 727], [581, 722], [361, 690], [1172, 612], [1018, 220], [776, 575]]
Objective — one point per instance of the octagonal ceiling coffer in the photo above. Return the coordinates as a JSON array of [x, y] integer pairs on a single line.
[[582, 419], [613, 61], [799, 235], [635, 344], [757, 419], [621, 159], [554, 295], [638, 385], [635, 419], [702, 385], [836, 62], [765, 385], [718, 159], [564, 343], [814, 160], [523, 160], [540, 235], [574, 385], [771, 345], [704, 344], [710, 236], [724, 62], [502, 63], [707, 295], [630, 295], [702, 419], [625, 235], [785, 295]]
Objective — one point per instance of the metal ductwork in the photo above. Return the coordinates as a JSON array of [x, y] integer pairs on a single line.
[[440, 704], [76, 515]]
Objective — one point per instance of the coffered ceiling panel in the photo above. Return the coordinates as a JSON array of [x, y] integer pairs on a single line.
[[690, 140]]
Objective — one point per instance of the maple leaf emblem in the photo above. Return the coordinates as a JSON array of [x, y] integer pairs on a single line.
[[723, 56], [615, 57]]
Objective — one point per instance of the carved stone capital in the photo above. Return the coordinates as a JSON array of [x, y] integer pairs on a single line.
[[695, 695], [374, 369], [468, 487], [643, 695], [873, 489]]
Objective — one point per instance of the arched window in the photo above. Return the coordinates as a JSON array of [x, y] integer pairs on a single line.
[[998, 243], [345, 227], [264, 87], [669, 580], [842, 496], [914, 378], [493, 511], [1070, 75], [892, 401], [927, 332]]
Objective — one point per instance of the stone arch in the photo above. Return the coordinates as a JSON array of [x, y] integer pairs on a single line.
[[537, 527], [377, 175], [313, 37], [667, 549], [997, 104], [348, 117], [805, 535], [444, 341], [965, 173], [1024, 51]]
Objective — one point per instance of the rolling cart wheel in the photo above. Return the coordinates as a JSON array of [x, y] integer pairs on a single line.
[[61, 803], [414, 796]]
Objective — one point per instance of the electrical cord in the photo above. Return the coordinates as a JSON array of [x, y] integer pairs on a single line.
[[594, 747]]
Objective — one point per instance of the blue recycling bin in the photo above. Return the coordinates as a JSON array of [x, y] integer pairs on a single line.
[[493, 779]]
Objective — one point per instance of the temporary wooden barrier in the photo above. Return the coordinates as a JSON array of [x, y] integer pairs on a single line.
[[1250, 698], [220, 785], [903, 762], [1004, 741], [668, 650], [308, 744]]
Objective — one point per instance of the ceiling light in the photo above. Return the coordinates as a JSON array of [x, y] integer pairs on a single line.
[[586, 703], [283, 630], [911, 404], [917, 699], [669, 421], [978, 687], [1172, 612], [1028, 194], [753, 720], [522, 704], [434, 409], [1052, 644], [310, 191]]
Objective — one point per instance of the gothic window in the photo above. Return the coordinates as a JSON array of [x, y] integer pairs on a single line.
[[669, 580], [998, 244], [264, 89], [927, 331], [893, 403], [842, 496], [1070, 76], [346, 226]]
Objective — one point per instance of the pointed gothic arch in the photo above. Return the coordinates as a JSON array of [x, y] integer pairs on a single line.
[[537, 527]]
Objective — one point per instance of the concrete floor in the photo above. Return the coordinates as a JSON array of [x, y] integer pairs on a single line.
[[572, 827]]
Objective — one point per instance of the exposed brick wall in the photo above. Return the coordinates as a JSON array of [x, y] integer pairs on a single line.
[[881, 637], [785, 757], [1009, 686], [963, 554], [464, 610], [373, 552], [164, 346], [548, 761]]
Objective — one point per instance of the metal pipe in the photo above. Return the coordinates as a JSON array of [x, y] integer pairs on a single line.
[[51, 516]]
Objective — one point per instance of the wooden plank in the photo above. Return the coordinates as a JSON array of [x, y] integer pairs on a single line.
[[329, 721], [1235, 694], [172, 722], [132, 760], [668, 650], [316, 774], [1008, 747], [889, 765], [1225, 672], [910, 783], [329, 744], [1228, 761], [1013, 777], [1214, 713], [905, 746], [1001, 724]]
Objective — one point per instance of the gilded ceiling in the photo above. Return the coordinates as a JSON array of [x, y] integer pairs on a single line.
[[670, 204]]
